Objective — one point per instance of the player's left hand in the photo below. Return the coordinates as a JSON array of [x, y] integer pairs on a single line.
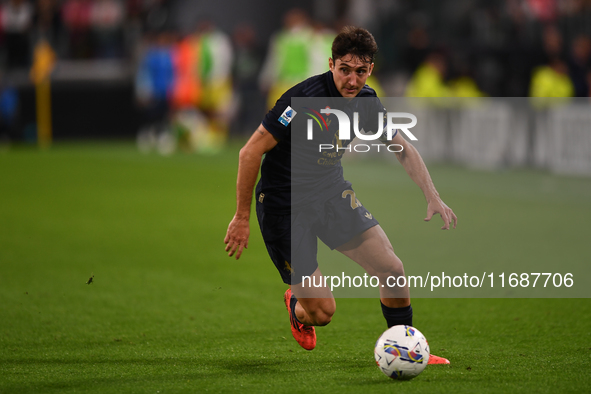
[[447, 214]]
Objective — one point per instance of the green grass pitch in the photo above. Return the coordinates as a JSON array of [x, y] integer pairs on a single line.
[[168, 311]]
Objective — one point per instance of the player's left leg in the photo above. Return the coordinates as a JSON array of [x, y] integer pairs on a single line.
[[348, 227], [374, 252]]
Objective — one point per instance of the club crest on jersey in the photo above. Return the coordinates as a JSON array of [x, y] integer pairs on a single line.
[[287, 116]]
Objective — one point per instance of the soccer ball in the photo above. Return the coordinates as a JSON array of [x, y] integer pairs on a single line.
[[402, 352]]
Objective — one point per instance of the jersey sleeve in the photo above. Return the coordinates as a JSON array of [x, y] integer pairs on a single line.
[[278, 119]]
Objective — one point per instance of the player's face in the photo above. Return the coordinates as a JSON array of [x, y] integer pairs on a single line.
[[349, 74]]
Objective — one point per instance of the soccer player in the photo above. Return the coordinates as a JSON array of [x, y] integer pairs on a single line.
[[335, 216]]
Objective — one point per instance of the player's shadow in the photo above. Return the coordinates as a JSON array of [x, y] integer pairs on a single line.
[[123, 372], [164, 371]]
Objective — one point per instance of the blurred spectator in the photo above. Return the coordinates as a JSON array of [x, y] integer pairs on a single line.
[[418, 43], [552, 43], [40, 74], [186, 89], [215, 61], [551, 80], [9, 105], [248, 62], [321, 48], [248, 56], [76, 17], [464, 86], [579, 65], [43, 62], [106, 18], [17, 18], [288, 56], [462, 83], [188, 125], [154, 83], [429, 79], [48, 22]]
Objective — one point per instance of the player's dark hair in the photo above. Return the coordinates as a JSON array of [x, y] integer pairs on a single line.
[[354, 41]]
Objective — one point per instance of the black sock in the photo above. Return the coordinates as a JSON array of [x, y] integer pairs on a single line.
[[397, 316], [292, 304]]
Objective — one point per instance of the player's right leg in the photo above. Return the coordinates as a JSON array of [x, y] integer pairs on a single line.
[[316, 304], [315, 307]]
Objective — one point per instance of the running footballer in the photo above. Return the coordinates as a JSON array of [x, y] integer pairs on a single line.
[[290, 226]]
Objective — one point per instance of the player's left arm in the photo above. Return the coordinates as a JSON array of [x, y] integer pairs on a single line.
[[415, 167]]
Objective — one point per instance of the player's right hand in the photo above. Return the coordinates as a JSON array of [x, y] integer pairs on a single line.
[[237, 236]]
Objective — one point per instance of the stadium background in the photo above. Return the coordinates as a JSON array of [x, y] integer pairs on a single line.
[[136, 192], [461, 48]]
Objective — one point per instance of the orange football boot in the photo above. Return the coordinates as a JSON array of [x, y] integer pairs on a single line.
[[304, 335], [437, 360]]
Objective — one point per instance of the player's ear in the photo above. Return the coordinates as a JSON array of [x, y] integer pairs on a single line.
[[330, 64], [370, 69]]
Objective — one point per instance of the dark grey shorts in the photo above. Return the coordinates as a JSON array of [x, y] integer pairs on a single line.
[[292, 240]]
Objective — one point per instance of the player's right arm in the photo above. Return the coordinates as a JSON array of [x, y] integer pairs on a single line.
[[414, 166], [249, 164]]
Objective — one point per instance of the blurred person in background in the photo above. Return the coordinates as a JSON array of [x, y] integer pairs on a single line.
[[246, 67], [106, 20], [40, 74], [551, 80], [579, 64], [462, 83], [429, 79], [76, 17], [550, 77], [417, 48], [288, 58], [48, 22], [216, 57], [187, 93], [9, 106], [186, 89], [153, 85], [552, 44], [17, 21], [320, 47]]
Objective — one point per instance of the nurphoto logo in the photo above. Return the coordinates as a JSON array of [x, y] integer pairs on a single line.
[[384, 134]]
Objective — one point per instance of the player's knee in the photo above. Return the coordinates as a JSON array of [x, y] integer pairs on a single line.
[[394, 269], [397, 269], [323, 315], [321, 318], [394, 266]]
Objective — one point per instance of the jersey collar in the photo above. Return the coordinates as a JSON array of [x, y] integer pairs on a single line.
[[332, 88]]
